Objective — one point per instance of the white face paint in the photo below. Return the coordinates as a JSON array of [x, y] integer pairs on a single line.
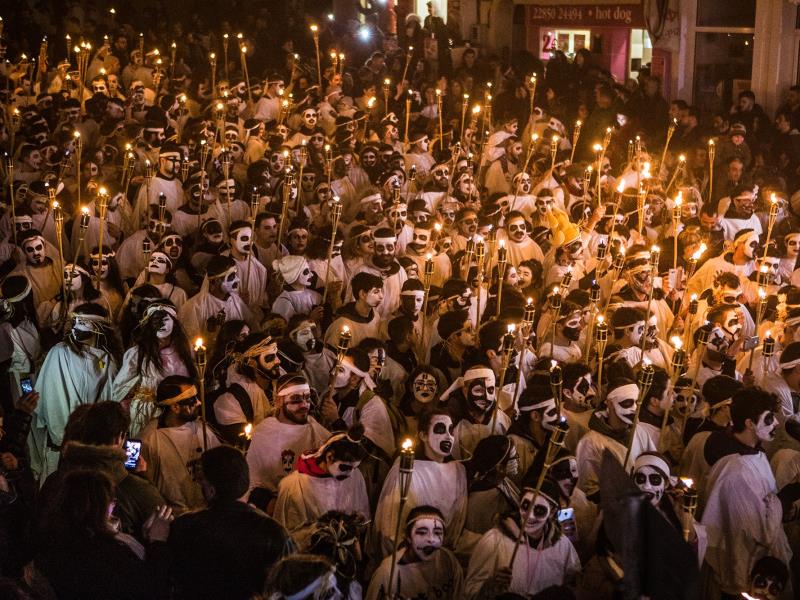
[[342, 469], [566, 474], [305, 276], [374, 297], [635, 332], [415, 300], [651, 482], [342, 376], [766, 426], [230, 282], [305, 338], [310, 118], [421, 238], [439, 437], [750, 245], [583, 393], [523, 184], [72, 279], [625, 408], [34, 250], [159, 263], [481, 393], [101, 263], [792, 246], [427, 535], [424, 388], [539, 514], [550, 415], [243, 241], [167, 324]]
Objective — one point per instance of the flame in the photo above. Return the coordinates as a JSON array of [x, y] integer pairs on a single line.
[[502, 243], [102, 191], [655, 249], [710, 142], [768, 334], [198, 343], [679, 199], [600, 319], [248, 429], [530, 300], [407, 444], [597, 147], [511, 328], [553, 364], [85, 210], [676, 341], [578, 123], [314, 28], [534, 137], [681, 158], [687, 482], [428, 257], [773, 198], [346, 329], [556, 290], [555, 139], [693, 297]]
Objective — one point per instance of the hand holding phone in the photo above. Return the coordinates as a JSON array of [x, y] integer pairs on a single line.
[[26, 385], [133, 451]]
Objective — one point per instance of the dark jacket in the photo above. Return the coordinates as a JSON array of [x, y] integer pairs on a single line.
[[225, 551], [136, 497]]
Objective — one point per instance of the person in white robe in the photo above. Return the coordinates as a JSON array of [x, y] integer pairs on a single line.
[[422, 566], [20, 347], [79, 370], [252, 274], [161, 349], [279, 440], [383, 264], [159, 274], [296, 297], [43, 272], [173, 443], [164, 182], [743, 511], [325, 479], [438, 481], [545, 556], [740, 260], [131, 257], [217, 301]]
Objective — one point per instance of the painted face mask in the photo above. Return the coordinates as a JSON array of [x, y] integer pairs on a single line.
[[441, 176], [751, 245], [440, 437], [792, 246], [72, 277], [623, 401], [523, 182], [412, 301], [573, 326], [427, 536], [517, 230], [230, 282], [424, 388], [342, 469], [421, 239], [268, 362], [34, 250], [481, 393], [549, 413], [583, 394], [540, 510], [544, 204], [765, 587], [160, 263], [84, 327], [167, 324], [377, 359], [635, 333], [309, 118], [304, 337], [101, 263], [305, 276], [565, 472], [766, 426], [243, 240], [156, 228], [173, 246], [651, 482]]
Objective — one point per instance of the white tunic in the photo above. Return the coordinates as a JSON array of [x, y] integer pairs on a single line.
[[275, 447], [296, 302], [303, 498], [195, 313], [227, 409], [440, 577], [441, 485], [533, 569], [467, 434]]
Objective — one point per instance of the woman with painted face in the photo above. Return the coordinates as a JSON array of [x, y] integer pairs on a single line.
[[111, 286], [423, 567], [438, 481], [161, 348], [80, 290], [297, 296], [78, 370], [789, 245], [422, 392], [610, 429], [545, 557], [744, 509], [159, 273], [491, 492], [325, 479]]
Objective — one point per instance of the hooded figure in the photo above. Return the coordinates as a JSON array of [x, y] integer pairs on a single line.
[[297, 297]]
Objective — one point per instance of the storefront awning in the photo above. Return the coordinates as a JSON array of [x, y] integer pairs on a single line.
[[580, 13]]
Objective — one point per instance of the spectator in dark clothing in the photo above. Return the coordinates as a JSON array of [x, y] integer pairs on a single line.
[[651, 105], [226, 550], [98, 447], [603, 116], [85, 557], [690, 133]]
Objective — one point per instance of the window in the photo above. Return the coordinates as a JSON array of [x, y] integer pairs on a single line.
[[727, 13], [723, 67]]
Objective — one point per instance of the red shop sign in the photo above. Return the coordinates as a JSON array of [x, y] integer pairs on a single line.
[[586, 15]]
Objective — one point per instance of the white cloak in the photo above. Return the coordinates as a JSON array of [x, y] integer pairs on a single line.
[[440, 578]]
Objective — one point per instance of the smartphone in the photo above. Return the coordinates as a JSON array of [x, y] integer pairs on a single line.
[[566, 514], [133, 450], [750, 343], [26, 385]]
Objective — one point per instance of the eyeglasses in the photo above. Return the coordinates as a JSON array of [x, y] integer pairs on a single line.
[[654, 479]]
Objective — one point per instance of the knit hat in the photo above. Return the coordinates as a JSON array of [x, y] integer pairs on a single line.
[[289, 267]]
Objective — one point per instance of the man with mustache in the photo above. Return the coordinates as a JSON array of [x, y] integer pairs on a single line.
[[279, 439], [744, 510], [41, 270]]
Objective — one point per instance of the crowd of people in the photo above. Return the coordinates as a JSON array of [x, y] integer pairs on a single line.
[[329, 310]]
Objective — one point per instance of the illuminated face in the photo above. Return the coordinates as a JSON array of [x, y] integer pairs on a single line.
[[424, 388], [466, 186], [772, 264], [276, 162], [439, 437], [422, 144], [304, 337], [481, 393], [750, 245], [540, 510], [523, 181], [369, 159], [305, 276], [374, 297], [384, 253], [745, 205], [572, 326], [511, 277], [625, 409], [765, 587], [441, 176], [550, 415], [167, 324], [544, 204], [230, 282], [308, 181], [651, 482], [516, 229], [34, 250], [766, 426], [634, 333], [792, 246], [99, 263], [243, 240], [72, 278], [641, 280], [427, 536], [159, 263], [173, 245], [685, 402], [296, 406], [366, 245], [515, 150], [412, 301], [689, 210], [468, 225], [421, 239], [298, 240], [525, 276]]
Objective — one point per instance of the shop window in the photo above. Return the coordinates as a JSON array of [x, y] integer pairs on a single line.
[[723, 67], [727, 13]]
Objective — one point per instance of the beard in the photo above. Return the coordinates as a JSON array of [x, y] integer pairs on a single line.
[[296, 418]]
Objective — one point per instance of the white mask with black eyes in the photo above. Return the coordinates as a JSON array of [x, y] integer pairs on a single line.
[[537, 515], [427, 536], [751, 244], [342, 469], [550, 414], [481, 393], [583, 393], [167, 324], [159, 263], [310, 118], [517, 230], [243, 241], [230, 282], [72, 278], [421, 239], [439, 437], [305, 337], [524, 184], [305, 276], [424, 388], [34, 250], [413, 300], [625, 408], [651, 482], [766, 426]]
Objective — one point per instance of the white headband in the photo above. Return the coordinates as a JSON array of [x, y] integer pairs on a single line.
[[371, 198], [413, 293], [538, 405], [77, 269], [789, 365], [479, 373], [385, 240], [624, 392], [22, 294], [650, 460], [156, 307], [298, 388]]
